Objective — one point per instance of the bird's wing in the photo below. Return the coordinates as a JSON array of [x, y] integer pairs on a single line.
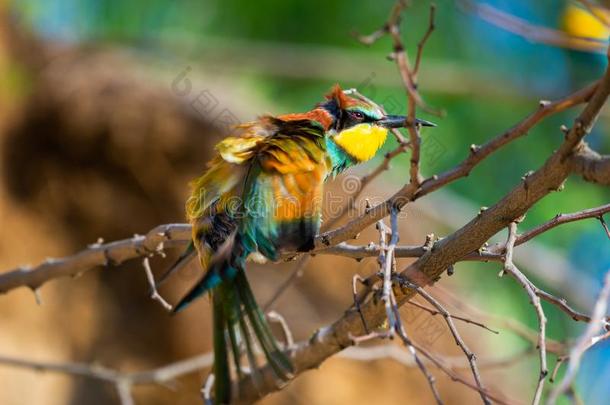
[[227, 171], [283, 192]]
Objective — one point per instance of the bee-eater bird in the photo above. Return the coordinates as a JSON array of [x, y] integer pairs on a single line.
[[262, 195]]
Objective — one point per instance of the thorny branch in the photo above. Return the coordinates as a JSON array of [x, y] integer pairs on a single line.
[[122, 381], [388, 263], [530, 289], [456, 335], [509, 324], [444, 253], [433, 312], [98, 254], [560, 219]]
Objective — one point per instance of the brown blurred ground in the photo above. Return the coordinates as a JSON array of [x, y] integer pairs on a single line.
[[95, 144]]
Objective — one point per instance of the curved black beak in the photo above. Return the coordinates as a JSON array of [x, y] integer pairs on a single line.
[[400, 121]]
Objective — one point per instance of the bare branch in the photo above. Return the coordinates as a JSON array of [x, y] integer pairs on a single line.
[[456, 335], [511, 325], [422, 42], [592, 166], [402, 356], [392, 28], [510, 268], [125, 381], [455, 377], [412, 349], [434, 312], [154, 294], [562, 219], [113, 253], [372, 250], [586, 341]]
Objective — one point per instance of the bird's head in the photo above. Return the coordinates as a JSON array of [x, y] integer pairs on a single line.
[[359, 126]]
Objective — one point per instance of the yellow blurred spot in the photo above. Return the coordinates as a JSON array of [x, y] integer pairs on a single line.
[[579, 22]]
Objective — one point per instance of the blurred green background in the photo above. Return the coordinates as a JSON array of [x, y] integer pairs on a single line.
[[270, 56]]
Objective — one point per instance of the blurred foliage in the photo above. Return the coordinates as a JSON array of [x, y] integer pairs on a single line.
[[532, 71]]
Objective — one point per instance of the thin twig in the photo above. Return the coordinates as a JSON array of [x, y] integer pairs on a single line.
[[159, 375], [422, 42], [562, 305], [404, 357], [510, 268], [511, 325], [392, 28], [154, 294], [585, 341], [563, 219], [359, 279], [456, 335], [386, 256], [455, 377], [435, 312], [371, 250], [412, 349], [98, 254]]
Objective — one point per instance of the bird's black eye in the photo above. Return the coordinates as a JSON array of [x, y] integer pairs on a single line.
[[357, 115]]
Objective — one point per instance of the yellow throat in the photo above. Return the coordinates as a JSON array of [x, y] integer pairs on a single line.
[[361, 141]]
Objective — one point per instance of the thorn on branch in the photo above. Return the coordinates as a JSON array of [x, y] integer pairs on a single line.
[[97, 244], [604, 225], [544, 103], [429, 242], [359, 279], [532, 293], [37, 296]]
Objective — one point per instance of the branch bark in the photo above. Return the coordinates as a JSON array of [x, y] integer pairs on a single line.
[[97, 254], [592, 166]]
